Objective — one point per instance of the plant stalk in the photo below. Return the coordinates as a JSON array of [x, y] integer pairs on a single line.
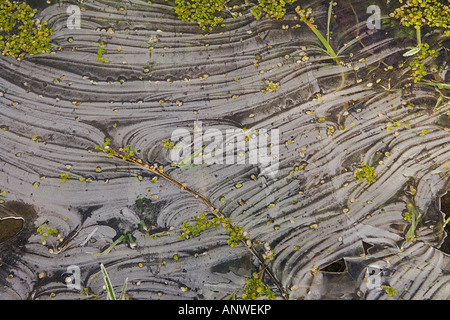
[[419, 36]]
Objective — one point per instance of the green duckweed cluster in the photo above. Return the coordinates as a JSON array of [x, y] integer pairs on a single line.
[[270, 8], [271, 86], [100, 52], [255, 289], [418, 70], [237, 235], [45, 231], [168, 144], [106, 148], [365, 172], [389, 290], [207, 13], [65, 176], [210, 13], [20, 34], [421, 14], [127, 151]]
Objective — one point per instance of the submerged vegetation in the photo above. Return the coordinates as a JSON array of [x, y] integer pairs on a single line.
[[208, 14], [236, 232], [422, 14], [305, 16], [365, 172], [254, 289], [45, 231], [237, 235], [20, 34], [412, 214], [270, 8]]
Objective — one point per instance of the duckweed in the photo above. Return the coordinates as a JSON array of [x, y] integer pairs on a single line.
[[20, 34], [365, 172]]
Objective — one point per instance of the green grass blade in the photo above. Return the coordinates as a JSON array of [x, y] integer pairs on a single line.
[[446, 222], [418, 35], [438, 103], [143, 226], [324, 41], [232, 296], [108, 250], [109, 288], [410, 234], [412, 52], [124, 288], [320, 48], [330, 9], [439, 85], [189, 158], [415, 219]]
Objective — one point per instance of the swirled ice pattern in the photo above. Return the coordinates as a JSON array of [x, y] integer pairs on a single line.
[[327, 228]]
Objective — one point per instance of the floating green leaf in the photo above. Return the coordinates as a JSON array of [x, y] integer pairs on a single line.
[[412, 52]]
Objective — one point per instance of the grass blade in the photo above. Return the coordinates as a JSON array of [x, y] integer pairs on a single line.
[[439, 85], [412, 52], [415, 219], [446, 222], [124, 288], [232, 296], [324, 41], [109, 288], [330, 9], [108, 250], [189, 158], [438, 103]]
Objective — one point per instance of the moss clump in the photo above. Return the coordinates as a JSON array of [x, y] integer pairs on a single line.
[[20, 34]]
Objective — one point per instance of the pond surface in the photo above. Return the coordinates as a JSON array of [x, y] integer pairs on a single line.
[[291, 128]]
